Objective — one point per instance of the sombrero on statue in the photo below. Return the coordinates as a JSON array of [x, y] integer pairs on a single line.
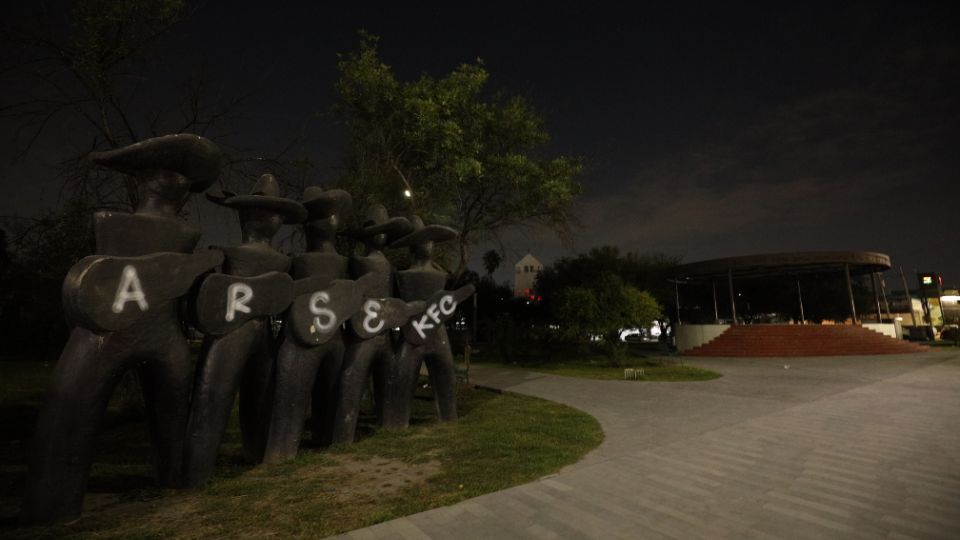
[[196, 158], [423, 234], [321, 204], [378, 221], [265, 195]]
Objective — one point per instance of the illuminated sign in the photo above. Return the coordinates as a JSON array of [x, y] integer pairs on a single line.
[[930, 282]]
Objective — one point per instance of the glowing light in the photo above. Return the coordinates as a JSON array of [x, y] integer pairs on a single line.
[[407, 193]]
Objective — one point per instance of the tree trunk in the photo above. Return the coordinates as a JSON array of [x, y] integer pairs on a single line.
[[462, 265]]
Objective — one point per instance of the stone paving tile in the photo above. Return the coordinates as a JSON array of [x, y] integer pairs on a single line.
[[851, 447]]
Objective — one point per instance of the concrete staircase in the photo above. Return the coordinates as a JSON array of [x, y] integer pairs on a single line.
[[802, 340]]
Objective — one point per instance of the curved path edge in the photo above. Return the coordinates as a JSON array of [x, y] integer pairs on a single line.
[[850, 447]]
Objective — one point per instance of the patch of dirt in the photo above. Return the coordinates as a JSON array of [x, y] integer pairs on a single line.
[[380, 476], [351, 483]]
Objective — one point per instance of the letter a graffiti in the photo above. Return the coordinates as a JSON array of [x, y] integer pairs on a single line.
[[129, 290]]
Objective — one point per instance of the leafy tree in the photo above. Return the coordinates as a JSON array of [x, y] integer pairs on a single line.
[[599, 311], [645, 272], [449, 151]]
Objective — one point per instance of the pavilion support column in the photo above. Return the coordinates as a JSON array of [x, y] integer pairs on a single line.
[[876, 295], [883, 291], [733, 301], [906, 294], [676, 296], [803, 320], [853, 307], [716, 312]]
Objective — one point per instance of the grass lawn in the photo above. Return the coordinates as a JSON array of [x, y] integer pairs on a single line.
[[596, 366], [501, 440]]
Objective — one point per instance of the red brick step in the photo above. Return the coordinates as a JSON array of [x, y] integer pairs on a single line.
[[803, 340]]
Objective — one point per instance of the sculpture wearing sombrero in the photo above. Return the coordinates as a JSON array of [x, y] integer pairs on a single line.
[[233, 309], [424, 337], [125, 302], [370, 347], [311, 352]]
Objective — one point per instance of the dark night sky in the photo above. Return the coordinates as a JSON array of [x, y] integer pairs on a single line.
[[707, 131]]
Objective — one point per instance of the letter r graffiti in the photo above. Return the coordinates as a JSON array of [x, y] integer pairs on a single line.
[[238, 294]]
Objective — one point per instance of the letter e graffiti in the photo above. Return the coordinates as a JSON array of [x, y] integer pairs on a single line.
[[238, 294], [129, 290], [324, 319], [372, 309]]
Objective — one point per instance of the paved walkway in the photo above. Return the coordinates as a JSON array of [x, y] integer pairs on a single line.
[[851, 447]]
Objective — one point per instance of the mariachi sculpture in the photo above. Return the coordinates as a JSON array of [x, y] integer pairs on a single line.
[[233, 310], [370, 347], [424, 337], [311, 352], [124, 302]]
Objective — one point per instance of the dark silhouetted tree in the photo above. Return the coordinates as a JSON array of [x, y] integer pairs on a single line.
[[491, 261]]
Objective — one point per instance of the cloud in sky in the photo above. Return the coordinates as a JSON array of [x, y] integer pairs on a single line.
[[846, 169]]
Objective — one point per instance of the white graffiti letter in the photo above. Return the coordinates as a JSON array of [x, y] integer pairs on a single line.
[[129, 290], [421, 325], [238, 294], [447, 305], [433, 313], [372, 309], [324, 319]]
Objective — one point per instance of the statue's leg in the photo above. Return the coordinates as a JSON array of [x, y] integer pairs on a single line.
[[165, 379], [89, 368], [326, 390], [379, 372], [399, 386], [218, 377], [443, 377], [256, 394], [295, 372], [353, 382]]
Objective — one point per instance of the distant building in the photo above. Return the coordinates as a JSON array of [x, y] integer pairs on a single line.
[[525, 275]]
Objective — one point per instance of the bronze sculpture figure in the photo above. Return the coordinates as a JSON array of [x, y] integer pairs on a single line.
[[311, 352], [237, 352], [125, 303], [370, 346], [425, 337]]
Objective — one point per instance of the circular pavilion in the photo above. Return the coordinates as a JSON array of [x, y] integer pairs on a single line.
[[794, 267]]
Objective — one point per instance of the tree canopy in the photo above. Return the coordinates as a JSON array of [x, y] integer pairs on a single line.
[[603, 308], [449, 150], [646, 272]]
